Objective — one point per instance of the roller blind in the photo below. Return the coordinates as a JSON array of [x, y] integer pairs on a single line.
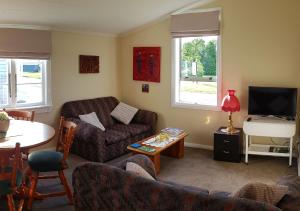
[[25, 43], [195, 24]]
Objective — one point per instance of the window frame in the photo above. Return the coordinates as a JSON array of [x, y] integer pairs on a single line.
[[175, 78], [46, 104]]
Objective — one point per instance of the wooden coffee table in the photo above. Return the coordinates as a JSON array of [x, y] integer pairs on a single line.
[[173, 149]]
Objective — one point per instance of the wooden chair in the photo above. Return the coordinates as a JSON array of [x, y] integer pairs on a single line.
[[21, 115], [11, 176], [48, 161]]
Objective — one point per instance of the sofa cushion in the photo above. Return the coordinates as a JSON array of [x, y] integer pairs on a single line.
[[141, 160], [257, 191], [124, 113], [133, 129], [115, 136], [138, 170], [291, 200], [92, 119], [101, 106]]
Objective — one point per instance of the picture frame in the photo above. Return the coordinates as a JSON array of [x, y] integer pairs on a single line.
[[146, 64], [89, 64], [145, 88]]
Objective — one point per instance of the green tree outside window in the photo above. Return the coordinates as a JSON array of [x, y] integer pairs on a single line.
[[204, 54]]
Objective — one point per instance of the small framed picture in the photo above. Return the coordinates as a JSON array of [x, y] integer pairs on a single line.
[[88, 64], [145, 88]]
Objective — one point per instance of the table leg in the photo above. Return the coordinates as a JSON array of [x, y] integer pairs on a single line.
[[246, 149], [291, 151], [156, 160], [176, 150]]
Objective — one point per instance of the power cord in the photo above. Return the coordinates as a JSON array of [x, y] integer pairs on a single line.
[[277, 143]]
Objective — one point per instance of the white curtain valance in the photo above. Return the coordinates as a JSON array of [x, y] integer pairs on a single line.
[[195, 24], [25, 43]]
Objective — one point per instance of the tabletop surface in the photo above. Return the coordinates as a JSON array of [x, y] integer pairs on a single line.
[[157, 149], [28, 134]]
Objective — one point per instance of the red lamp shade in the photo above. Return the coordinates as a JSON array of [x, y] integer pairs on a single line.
[[230, 102]]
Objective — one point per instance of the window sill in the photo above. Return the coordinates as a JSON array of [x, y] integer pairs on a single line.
[[196, 106], [37, 109]]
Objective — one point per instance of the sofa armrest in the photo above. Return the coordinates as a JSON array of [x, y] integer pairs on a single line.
[[111, 188], [141, 160], [147, 118], [291, 200]]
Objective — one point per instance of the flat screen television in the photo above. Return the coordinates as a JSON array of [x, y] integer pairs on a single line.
[[276, 101]]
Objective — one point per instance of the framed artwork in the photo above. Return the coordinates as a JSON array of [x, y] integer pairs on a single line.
[[88, 64], [145, 88], [146, 64]]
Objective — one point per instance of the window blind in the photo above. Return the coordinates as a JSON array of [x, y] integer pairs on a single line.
[[25, 43], [195, 24]]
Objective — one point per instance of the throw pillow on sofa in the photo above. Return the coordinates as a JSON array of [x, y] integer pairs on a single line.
[[138, 170], [92, 119], [270, 194], [124, 113]]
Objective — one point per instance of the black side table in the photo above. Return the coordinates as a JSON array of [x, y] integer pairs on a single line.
[[227, 147]]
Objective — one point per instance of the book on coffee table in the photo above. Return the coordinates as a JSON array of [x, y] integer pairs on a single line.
[[146, 149], [172, 132], [135, 145]]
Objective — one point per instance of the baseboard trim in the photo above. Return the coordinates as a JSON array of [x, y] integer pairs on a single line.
[[198, 146]]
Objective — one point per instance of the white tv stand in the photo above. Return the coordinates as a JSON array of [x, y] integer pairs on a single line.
[[270, 127]]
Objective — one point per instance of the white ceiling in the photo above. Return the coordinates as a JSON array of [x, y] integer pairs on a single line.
[[101, 16]]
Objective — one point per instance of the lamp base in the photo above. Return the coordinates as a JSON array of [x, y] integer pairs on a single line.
[[230, 130]]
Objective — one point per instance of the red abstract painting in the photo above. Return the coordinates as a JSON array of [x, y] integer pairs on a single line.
[[146, 64]]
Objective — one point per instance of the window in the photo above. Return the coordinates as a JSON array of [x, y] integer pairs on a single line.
[[196, 59], [24, 83], [196, 71]]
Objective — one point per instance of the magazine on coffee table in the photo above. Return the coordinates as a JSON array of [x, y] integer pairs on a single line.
[[165, 137]]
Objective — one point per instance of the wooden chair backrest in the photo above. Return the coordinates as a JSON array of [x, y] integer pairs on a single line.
[[66, 133], [10, 158], [21, 115]]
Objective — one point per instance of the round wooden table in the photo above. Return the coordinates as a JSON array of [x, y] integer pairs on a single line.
[[28, 134]]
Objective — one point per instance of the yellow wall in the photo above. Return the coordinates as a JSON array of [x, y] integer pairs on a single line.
[[67, 83], [260, 46], [260, 42]]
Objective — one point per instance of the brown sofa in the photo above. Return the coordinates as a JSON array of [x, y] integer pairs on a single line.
[[112, 188], [96, 145]]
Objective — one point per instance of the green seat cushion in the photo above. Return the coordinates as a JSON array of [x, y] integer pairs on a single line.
[[45, 161], [5, 185]]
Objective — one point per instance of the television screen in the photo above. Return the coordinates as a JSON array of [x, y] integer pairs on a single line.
[[272, 101]]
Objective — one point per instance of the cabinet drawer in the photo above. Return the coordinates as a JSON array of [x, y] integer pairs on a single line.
[[225, 154], [227, 147], [226, 142]]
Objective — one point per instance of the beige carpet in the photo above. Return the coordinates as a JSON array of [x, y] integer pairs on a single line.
[[197, 168]]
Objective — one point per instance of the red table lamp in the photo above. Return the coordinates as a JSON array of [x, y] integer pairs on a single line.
[[230, 104]]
